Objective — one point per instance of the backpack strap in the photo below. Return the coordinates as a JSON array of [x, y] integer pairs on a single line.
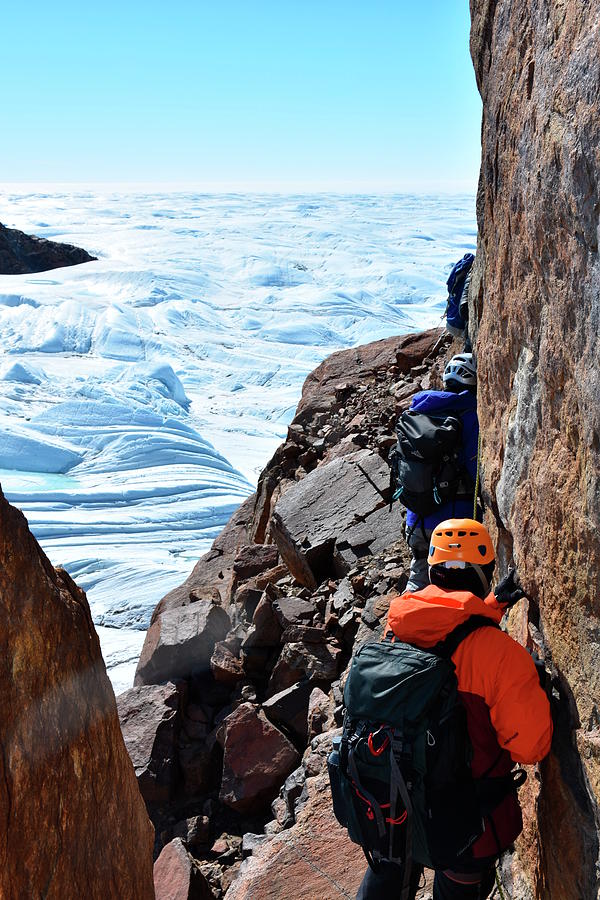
[[448, 646]]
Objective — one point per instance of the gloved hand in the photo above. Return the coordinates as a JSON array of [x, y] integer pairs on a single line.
[[508, 591]]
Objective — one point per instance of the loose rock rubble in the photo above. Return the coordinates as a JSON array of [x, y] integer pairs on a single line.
[[257, 641]]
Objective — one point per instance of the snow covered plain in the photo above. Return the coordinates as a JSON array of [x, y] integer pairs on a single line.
[[141, 394]]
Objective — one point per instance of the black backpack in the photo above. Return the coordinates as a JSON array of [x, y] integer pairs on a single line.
[[425, 467], [400, 772], [458, 289]]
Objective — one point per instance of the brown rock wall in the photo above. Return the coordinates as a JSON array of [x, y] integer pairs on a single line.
[[536, 309], [74, 823]]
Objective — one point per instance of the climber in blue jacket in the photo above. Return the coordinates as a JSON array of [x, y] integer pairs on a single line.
[[457, 399]]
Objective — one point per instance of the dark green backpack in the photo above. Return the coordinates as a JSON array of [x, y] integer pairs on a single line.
[[400, 772]]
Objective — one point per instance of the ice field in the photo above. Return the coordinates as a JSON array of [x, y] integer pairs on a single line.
[[141, 394]]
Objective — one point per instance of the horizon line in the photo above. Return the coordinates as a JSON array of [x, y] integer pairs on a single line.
[[341, 188]]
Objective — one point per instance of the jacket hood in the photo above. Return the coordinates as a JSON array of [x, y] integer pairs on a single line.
[[443, 402], [429, 615]]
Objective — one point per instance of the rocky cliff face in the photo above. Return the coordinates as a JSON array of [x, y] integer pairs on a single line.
[[536, 312], [73, 821], [21, 253]]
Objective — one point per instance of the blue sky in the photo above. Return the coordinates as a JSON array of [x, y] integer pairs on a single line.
[[315, 94]]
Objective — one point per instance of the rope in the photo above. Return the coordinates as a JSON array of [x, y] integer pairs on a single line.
[[499, 886], [477, 475]]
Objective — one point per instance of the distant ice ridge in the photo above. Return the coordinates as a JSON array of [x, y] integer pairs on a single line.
[[117, 485], [141, 394]]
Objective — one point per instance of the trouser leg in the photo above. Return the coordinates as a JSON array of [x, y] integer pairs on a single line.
[[446, 888], [386, 883], [418, 542]]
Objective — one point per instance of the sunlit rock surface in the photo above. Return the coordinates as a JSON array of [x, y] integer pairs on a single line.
[[74, 822], [536, 298]]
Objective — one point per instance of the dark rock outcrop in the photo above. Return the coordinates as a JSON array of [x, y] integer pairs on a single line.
[[74, 823], [535, 306], [21, 253]]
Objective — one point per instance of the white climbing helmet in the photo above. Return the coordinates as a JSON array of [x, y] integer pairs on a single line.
[[461, 369]]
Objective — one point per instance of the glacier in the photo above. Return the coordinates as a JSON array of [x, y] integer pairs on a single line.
[[142, 393]]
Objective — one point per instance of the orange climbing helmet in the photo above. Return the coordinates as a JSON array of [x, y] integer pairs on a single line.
[[460, 540], [461, 556]]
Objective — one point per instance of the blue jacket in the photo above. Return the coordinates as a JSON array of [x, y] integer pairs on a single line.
[[464, 405]]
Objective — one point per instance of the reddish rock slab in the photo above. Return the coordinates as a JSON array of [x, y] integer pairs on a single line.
[[74, 822], [293, 611], [176, 876], [180, 642], [321, 707], [257, 758], [149, 722], [313, 859]]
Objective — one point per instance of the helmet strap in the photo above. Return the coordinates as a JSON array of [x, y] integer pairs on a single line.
[[482, 578]]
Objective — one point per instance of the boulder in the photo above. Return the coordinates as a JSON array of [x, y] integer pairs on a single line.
[[314, 662], [335, 515], [74, 821], [321, 707], [149, 717], [177, 877], [355, 366], [257, 758], [180, 643], [306, 633], [254, 558], [289, 709], [266, 629], [292, 611], [284, 806], [225, 665], [194, 832]]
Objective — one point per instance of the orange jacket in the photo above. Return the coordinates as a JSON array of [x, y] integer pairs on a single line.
[[508, 714]]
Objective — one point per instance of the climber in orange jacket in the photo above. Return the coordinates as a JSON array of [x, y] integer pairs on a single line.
[[508, 713]]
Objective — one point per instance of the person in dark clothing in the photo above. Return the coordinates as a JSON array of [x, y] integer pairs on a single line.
[[507, 713], [457, 399]]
